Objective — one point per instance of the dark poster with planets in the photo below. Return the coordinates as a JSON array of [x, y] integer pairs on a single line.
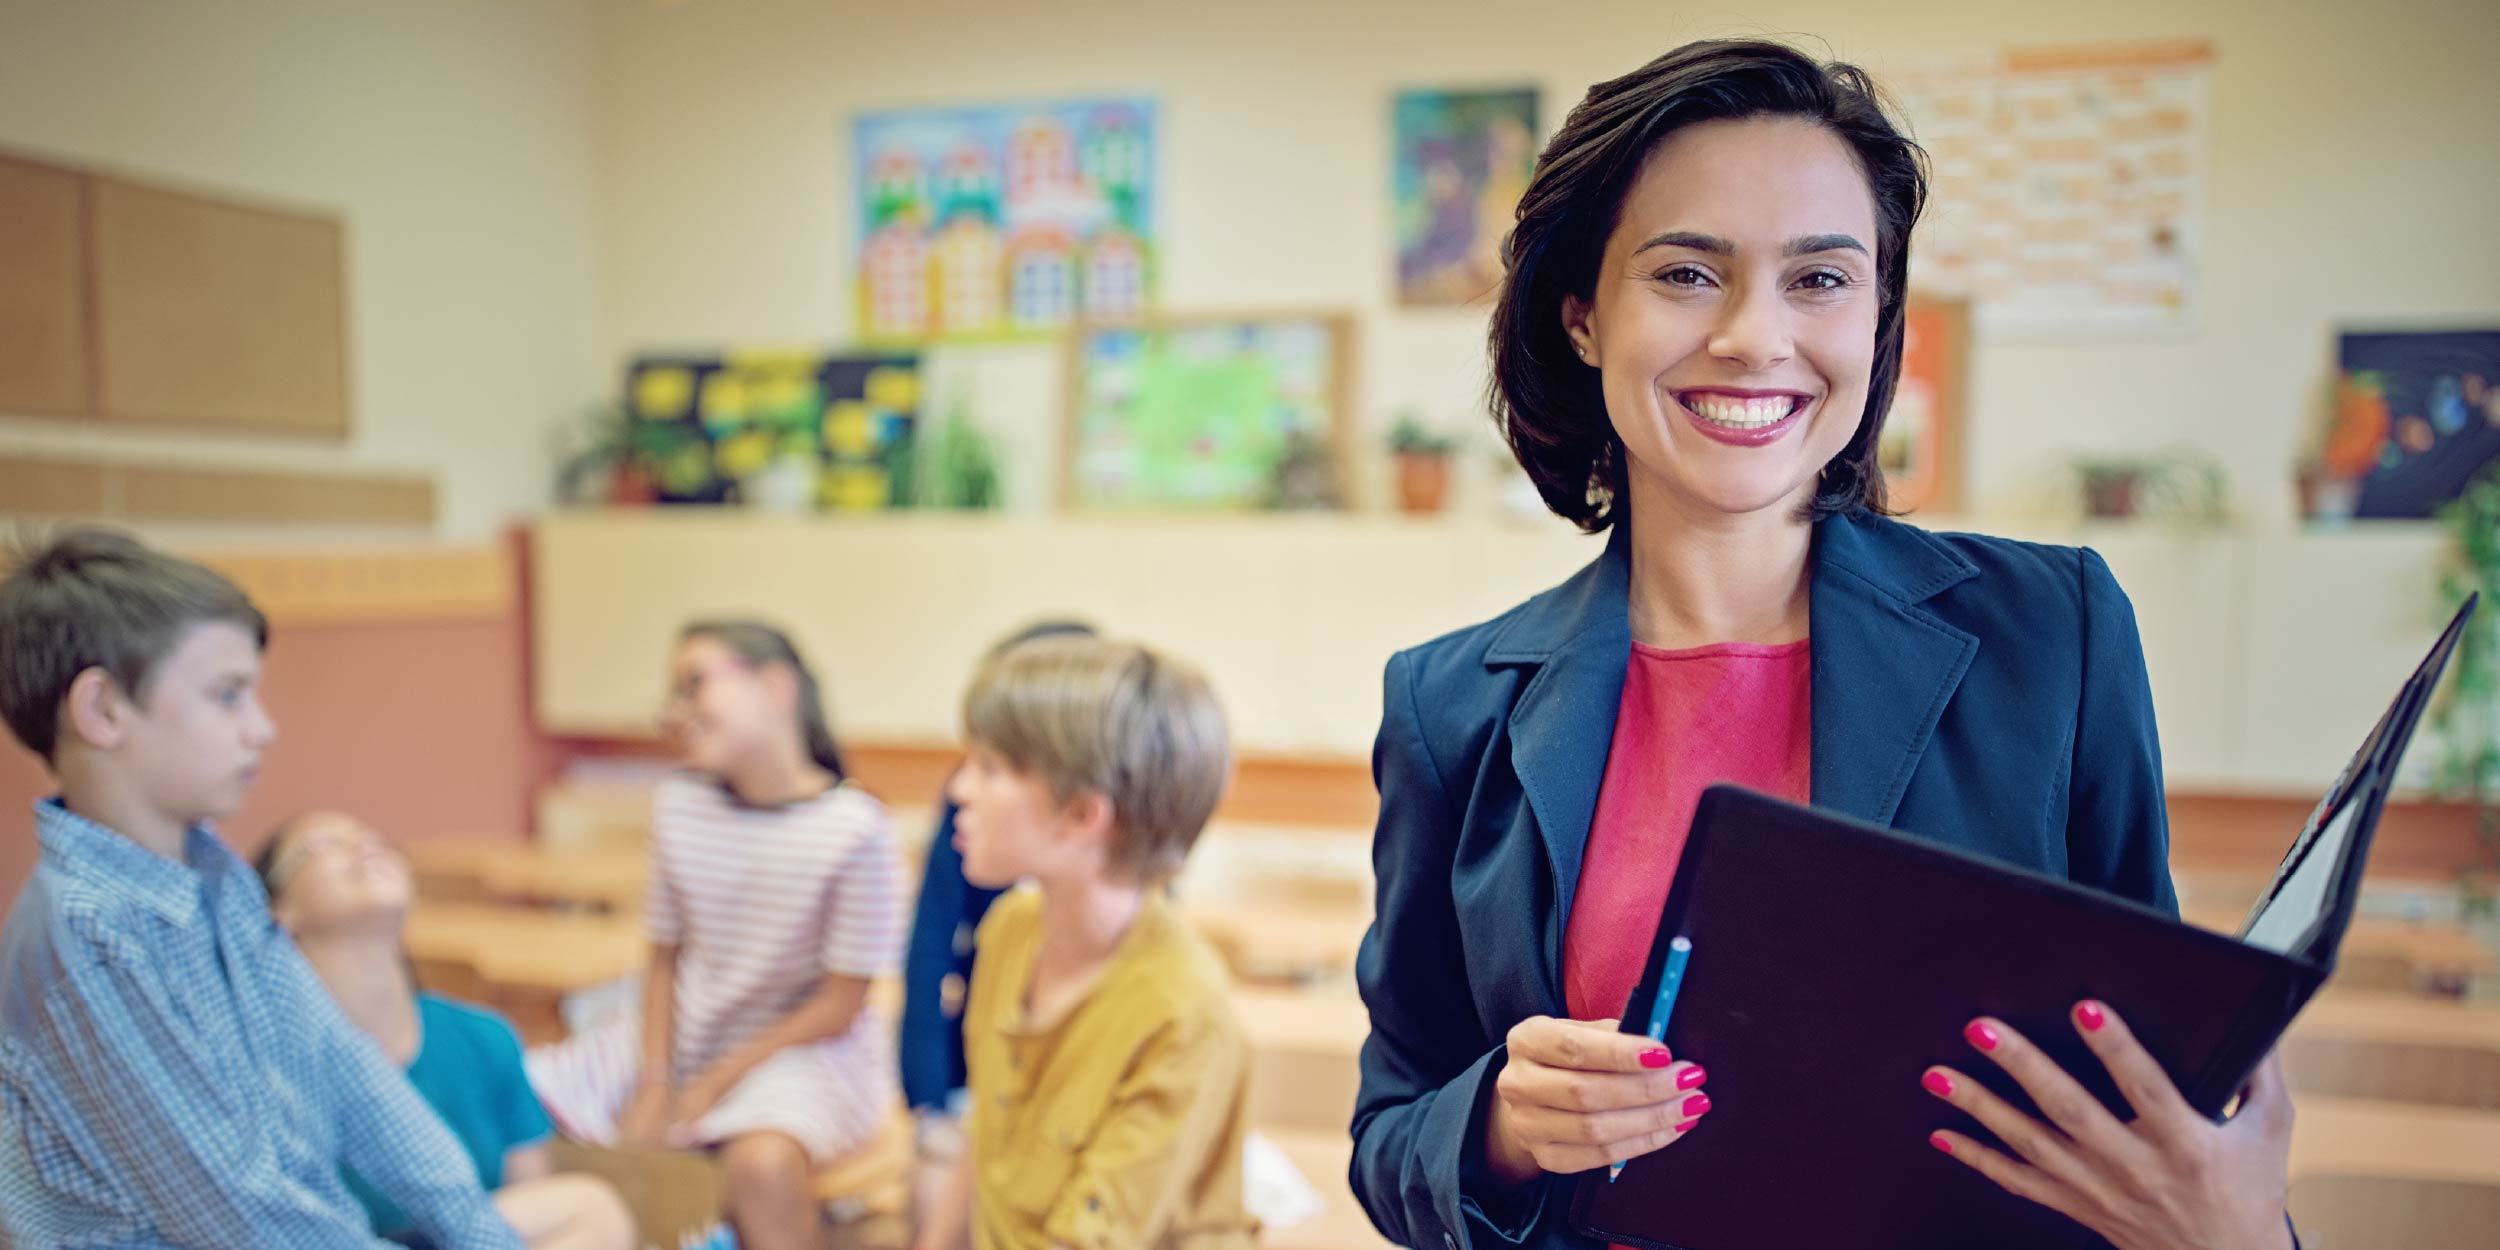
[[2417, 416]]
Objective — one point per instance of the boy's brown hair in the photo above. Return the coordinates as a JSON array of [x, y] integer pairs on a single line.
[[97, 598], [1142, 729]]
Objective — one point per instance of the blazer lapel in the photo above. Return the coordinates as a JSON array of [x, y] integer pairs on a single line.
[[1579, 637], [1883, 666]]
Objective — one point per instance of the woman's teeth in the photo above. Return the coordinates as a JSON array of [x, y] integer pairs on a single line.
[[1742, 414]]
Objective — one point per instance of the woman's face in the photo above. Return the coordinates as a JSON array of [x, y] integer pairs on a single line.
[[1733, 316], [334, 873], [721, 708]]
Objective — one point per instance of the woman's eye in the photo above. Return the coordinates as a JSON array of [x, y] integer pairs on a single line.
[[1823, 280], [1683, 275]]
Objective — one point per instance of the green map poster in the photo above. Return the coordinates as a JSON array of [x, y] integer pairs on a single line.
[[1200, 415]]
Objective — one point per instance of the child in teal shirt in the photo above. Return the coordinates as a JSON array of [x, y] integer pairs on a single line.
[[343, 892]]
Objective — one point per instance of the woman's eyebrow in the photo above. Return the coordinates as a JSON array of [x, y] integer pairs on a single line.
[[1803, 245]]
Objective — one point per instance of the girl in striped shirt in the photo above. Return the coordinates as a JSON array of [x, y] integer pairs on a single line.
[[776, 895]]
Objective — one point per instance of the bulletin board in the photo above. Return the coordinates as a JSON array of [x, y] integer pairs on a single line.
[[209, 312], [43, 296], [2067, 184], [1199, 413]]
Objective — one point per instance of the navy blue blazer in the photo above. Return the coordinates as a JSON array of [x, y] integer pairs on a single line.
[[1986, 694]]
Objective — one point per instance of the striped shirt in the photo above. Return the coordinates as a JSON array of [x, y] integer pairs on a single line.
[[763, 903], [171, 1073]]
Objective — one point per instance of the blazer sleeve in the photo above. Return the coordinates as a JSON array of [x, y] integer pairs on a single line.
[[2117, 822], [1427, 1068]]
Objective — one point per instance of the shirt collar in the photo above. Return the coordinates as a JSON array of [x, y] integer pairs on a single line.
[[82, 849]]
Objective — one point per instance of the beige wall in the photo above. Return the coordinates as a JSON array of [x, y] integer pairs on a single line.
[[455, 141], [2354, 178]]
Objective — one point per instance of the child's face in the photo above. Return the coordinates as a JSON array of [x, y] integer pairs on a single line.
[[335, 872], [1009, 826], [194, 742], [722, 709]]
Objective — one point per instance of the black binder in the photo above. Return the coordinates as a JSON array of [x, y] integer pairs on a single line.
[[1835, 961]]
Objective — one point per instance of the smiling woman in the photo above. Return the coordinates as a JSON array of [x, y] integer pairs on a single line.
[[1698, 337]]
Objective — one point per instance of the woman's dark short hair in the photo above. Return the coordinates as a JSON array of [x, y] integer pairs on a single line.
[[1548, 403]]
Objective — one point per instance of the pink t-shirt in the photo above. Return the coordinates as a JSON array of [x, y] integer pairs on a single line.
[[1736, 711]]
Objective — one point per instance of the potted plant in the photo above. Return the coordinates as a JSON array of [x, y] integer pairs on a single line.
[[2467, 715], [2184, 486], [609, 459], [1423, 465]]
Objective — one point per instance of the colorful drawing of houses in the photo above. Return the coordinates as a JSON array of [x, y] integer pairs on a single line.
[[1114, 161], [1115, 274], [895, 268], [895, 186], [1041, 158], [969, 288], [1041, 280], [967, 182]]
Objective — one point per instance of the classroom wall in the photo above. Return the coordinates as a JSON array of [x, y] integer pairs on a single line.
[[453, 138], [2352, 180], [421, 726]]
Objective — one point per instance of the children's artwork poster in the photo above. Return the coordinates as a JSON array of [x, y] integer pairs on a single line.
[[787, 429], [1920, 448], [1463, 159], [2416, 418], [1005, 220], [2067, 184], [1203, 415]]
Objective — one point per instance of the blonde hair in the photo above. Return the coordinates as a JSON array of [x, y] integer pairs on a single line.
[[1142, 729]]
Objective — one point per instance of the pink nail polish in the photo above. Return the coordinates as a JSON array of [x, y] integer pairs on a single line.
[[1686, 1126], [1697, 1104], [2090, 1016], [1938, 1141], [1655, 1058], [1938, 1083], [1691, 1079], [1982, 1035]]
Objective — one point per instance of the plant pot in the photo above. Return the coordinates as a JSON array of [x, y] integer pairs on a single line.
[[633, 486], [1423, 482], [2110, 494]]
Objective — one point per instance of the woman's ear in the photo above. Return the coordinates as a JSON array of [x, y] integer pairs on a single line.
[[94, 711], [1579, 318]]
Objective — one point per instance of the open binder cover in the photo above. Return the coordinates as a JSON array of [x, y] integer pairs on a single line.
[[1835, 961]]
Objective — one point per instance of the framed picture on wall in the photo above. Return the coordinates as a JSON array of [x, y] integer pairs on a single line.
[[1921, 447], [1209, 413]]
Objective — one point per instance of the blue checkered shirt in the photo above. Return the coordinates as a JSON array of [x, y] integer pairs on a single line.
[[172, 1074]]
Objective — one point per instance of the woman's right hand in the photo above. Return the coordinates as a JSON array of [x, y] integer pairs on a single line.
[[1574, 1095], [646, 1119]]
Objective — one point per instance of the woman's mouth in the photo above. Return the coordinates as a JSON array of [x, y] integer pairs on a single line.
[[1744, 419]]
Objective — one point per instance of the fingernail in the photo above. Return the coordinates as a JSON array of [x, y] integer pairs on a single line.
[[1938, 1083], [2090, 1016], [1692, 1079], [1686, 1126], [1982, 1035], [1938, 1141], [1656, 1057], [1696, 1104]]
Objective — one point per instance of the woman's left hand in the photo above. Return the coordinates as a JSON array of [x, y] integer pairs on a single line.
[[2168, 1180]]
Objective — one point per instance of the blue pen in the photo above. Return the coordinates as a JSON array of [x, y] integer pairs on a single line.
[[1679, 953]]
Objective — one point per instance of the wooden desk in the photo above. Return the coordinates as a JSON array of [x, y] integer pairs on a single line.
[[606, 877], [2357, 1137], [2379, 1016], [1275, 941], [2444, 951], [1304, 1057], [523, 962]]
